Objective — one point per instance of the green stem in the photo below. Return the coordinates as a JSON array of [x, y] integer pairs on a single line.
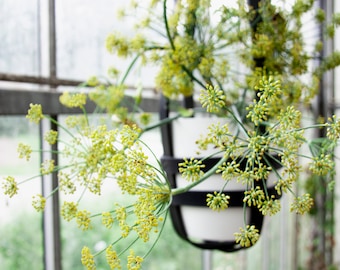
[[234, 113], [309, 127], [52, 192], [129, 246], [130, 67], [59, 125], [161, 123], [167, 26]]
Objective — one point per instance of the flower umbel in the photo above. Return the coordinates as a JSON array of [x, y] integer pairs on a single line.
[[217, 201], [24, 151], [134, 262], [51, 136], [112, 258], [302, 204], [333, 129], [107, 219], [87, 259], [10, 186], [35, 113], [39, 202], [73, 100], [191, 169], [322, 165], [83, 219], [47, 166], [247, 236], [69, 210], [213, 99]]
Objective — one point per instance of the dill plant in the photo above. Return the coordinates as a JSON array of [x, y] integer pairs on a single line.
[[196, 49]]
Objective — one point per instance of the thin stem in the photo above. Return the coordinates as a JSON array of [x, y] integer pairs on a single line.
[[129, 246], [234, 113], [59, 125], [129, 68], [52, 192], [167, 26], [161, 123]]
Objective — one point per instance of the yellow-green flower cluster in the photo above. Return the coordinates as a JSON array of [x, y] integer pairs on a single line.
[[35, 113], [333, 129], [146, 207], [254, 196], [121, 216], [117, 43], [322, 165], [275, 140], [109, 97], [191, 170], [24, 151], [262, 44], [87, 259], [229, 170], [39, 202], [51, 136], [268, 92], [302, 204], [66, 185], [134, 262], [92, 81], [247, 236], [69, 210], [112, 258], [83, 219], [213, 99], [270, 206], [217, 201], [73, 100], [10, 186], [107, 219], [47, 167]]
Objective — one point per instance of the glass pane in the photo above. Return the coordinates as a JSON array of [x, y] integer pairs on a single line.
[[20, 227], [82, 27], [19, 37]]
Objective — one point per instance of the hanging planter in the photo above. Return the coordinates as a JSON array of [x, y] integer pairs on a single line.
[[200, 52], [191, 218]]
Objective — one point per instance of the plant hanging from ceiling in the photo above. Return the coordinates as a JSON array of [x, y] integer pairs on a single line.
[[196, 49]]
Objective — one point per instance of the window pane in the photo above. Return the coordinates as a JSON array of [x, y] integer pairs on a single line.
[[19, 37], [22, 247], [82, 26]]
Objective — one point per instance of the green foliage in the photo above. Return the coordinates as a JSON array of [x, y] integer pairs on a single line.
[[21, 245], [13, 126]]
